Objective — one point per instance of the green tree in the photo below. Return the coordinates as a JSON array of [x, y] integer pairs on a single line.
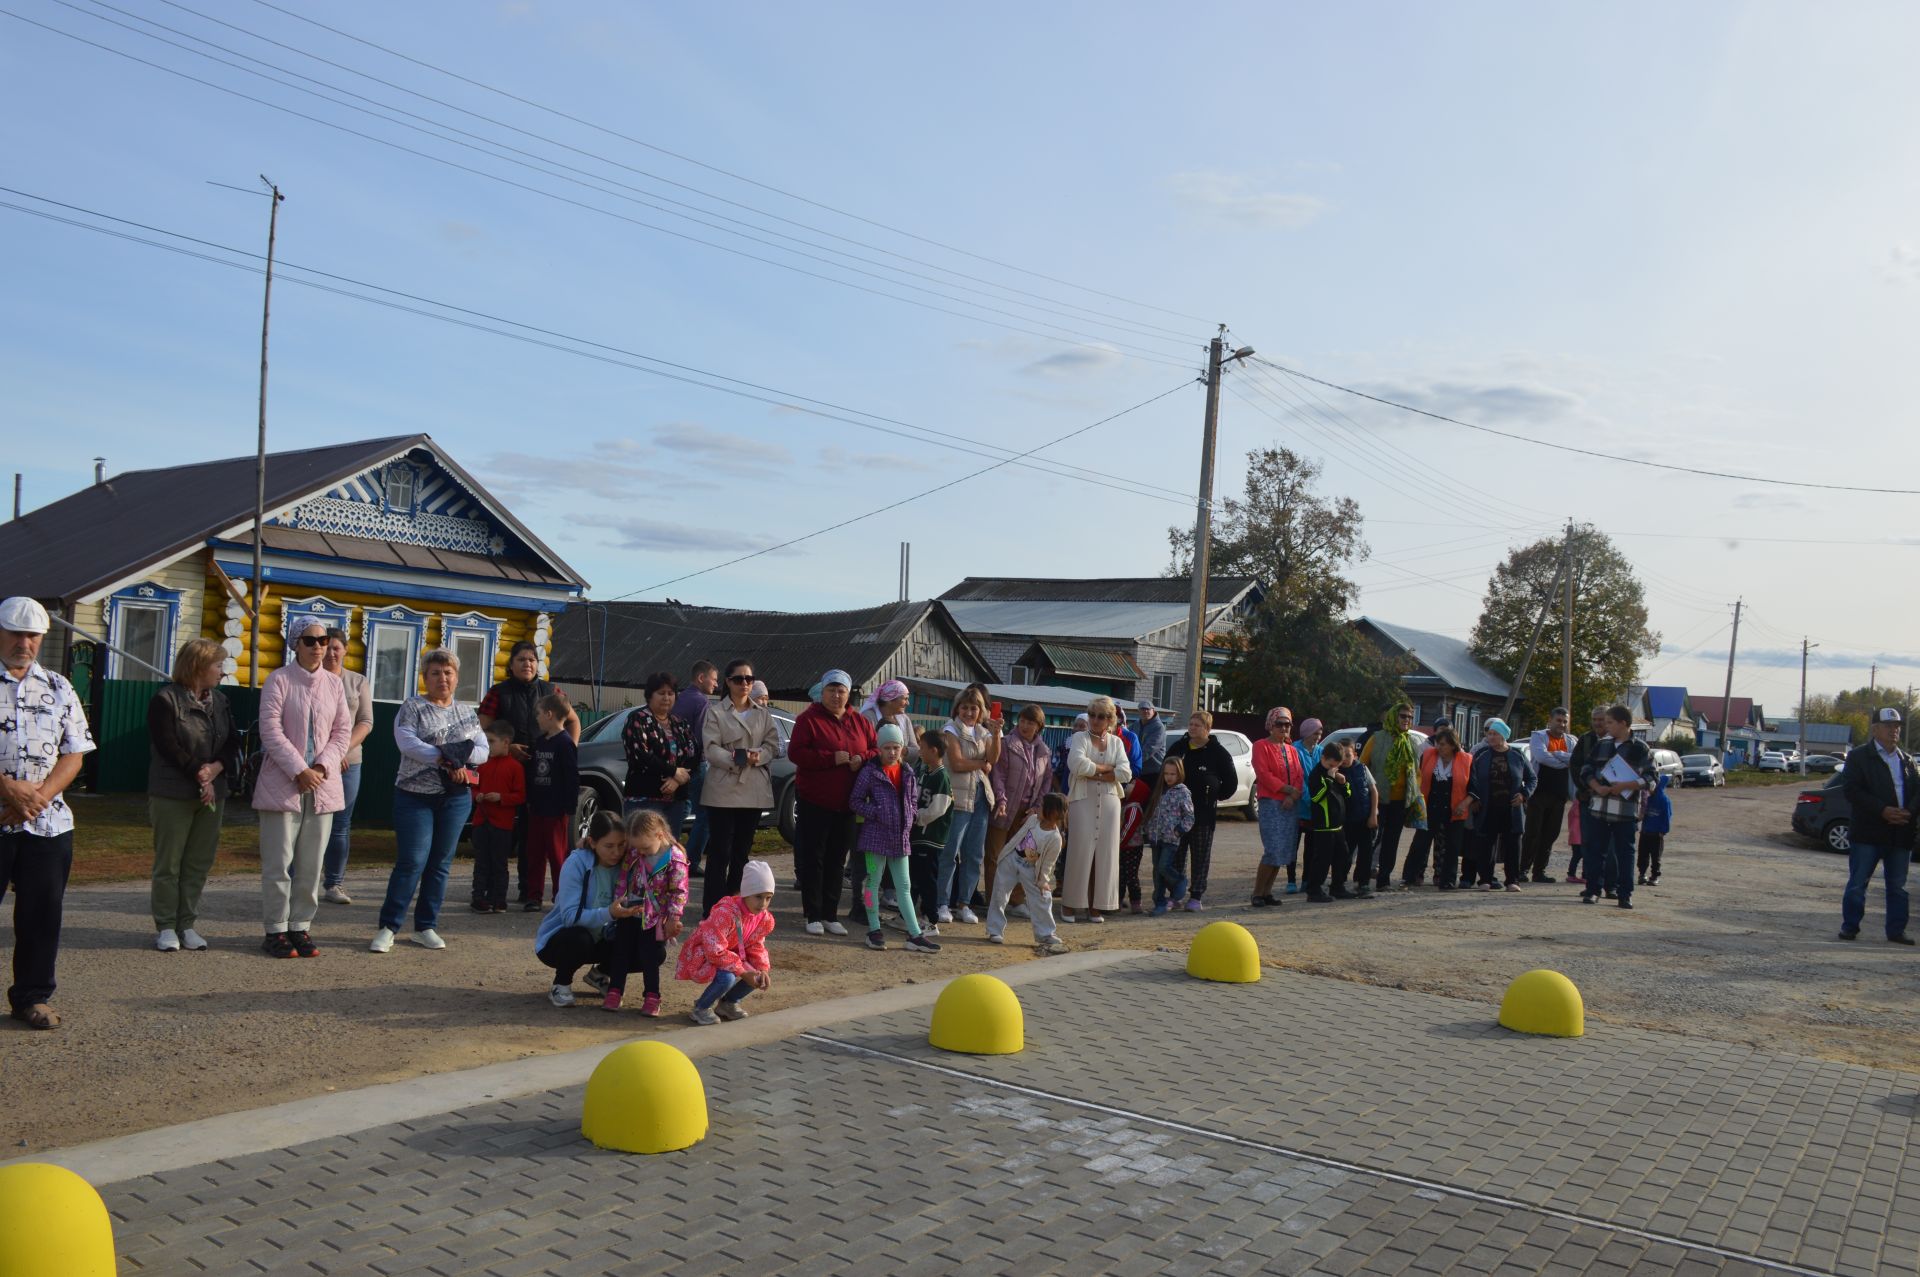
[[1298, 648], [1610, 634]]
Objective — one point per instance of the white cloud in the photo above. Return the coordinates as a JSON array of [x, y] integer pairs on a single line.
[[612, 469], [634, 533], [1076, 362], [840, 459], [1903, 264], [1232, 197], [1482, 402], [718, 447]]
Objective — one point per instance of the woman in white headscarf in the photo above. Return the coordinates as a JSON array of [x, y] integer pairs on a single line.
[[1097, 761]]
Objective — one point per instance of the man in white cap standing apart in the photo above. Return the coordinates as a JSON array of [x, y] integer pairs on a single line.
[[43, 738], [1883, 788]]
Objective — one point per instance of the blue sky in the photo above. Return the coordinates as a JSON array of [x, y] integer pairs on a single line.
[[1688, 233]]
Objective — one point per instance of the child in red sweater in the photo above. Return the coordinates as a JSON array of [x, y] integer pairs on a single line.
[[497, 797]]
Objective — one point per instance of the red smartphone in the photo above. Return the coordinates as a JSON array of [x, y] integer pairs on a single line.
[[996, 709]]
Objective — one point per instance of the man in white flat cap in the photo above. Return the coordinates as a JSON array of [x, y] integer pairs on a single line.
[[43, 739], [1882, 786]]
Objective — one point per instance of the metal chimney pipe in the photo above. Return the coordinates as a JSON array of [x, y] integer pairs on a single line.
[[16, 494], [99, 470]]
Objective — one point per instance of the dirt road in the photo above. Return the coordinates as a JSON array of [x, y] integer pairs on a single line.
[[1736, 944]]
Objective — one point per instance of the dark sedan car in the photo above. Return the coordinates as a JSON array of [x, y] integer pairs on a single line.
[[603, 772], [1825, 814], [1824, 762]]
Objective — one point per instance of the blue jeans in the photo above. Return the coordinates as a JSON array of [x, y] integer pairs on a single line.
[[726, 986], [333, 865], [961, 858], [1860, 864], [1279, 834], [1609, 848], [1170, 873], [697, 836], [426, 830]]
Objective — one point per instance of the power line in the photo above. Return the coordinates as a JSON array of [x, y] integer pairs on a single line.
[[737, 387], [1098, 345], [648, 174], [1586, 452], [714, 168], [895, 505], [646, 199]]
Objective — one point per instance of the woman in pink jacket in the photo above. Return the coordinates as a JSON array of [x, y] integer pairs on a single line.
[[305, 729]]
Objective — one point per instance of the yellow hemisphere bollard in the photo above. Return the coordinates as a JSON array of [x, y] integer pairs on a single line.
[[1544, 1002], [978, 1015], [1224, 951], [645, 1097], [52, 1224]]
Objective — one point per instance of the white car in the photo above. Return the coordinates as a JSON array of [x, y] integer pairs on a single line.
[[1773, 760], [1242, 798]]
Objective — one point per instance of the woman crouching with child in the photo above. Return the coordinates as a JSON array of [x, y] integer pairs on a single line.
[[618, 902]]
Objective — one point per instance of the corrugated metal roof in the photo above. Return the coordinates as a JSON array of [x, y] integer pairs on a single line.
[[1040, 619], [1116, 589], [1446, 657], [1012, 695], [1709, 708], [621, 644], [1091, 662], [1821, 733]]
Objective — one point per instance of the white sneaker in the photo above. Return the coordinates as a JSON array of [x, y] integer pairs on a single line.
[[967, 915], [927, 931], [191, 939], [336, 896], [993, 939], [167, 942], [836, 929], [730, 1010], [429, 939], [944, 916], [562, 996], [816, 929], [1066, 916], [1018, 911], [382, 941]]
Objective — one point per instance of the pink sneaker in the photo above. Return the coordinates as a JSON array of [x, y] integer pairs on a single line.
[[612, 1001], [650, 1005]]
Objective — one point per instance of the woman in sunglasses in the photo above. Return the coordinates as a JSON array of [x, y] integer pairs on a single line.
[[305, 729], [741, 743]]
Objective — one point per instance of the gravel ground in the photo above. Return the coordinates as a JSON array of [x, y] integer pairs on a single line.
[[1736, 944]]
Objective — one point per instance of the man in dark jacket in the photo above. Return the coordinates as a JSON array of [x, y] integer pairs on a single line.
[[1616, 773], [1883, 788], [1579, 868]]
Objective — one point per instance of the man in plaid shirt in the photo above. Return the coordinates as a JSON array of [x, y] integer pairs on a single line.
[[1610, 803]]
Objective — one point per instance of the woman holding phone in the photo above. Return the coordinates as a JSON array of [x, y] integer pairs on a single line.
[[741, 742], [973, 747]]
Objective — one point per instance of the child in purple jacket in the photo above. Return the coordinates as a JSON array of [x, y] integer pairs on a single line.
[[885, 796]]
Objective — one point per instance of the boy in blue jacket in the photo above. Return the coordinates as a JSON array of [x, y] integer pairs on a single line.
[[1653, 832]]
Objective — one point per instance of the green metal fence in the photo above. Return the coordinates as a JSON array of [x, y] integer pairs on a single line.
[[120, 730]]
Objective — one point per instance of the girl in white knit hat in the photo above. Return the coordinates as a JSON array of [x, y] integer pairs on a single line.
[[728, 951]]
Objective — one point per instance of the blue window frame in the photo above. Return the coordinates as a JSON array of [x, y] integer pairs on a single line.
[[473, 638], [335, 616], [142, 621], [394, 636]]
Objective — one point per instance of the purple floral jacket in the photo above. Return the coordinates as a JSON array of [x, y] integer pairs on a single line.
[[888, 812]]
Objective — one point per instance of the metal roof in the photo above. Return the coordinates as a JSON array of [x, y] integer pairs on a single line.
[[1710, 708], [1444, 657], [1069, 620], [1817, 733], [1017, 694], [1666, 702], [1090, 662], [1116, 589], [621, 644], [112, 530]]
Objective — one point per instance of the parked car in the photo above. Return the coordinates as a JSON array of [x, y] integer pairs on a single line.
[[1667, 763], [1702, 769], [1242, 750], [1826, 814], [1773, 760], [603, 773], [1825, 762], [1352, 735]]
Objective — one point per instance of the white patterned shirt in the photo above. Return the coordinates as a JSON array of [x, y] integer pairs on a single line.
[[40, 721]]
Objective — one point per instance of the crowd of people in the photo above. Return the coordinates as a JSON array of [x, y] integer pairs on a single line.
[[913, 830]]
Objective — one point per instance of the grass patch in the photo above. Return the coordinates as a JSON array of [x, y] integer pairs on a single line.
[[1748, 778], [113, 840]]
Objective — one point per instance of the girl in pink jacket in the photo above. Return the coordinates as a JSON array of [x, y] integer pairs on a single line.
[[305, 729], [729, 948]]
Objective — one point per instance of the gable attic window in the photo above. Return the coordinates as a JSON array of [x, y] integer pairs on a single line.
[[400, 487]]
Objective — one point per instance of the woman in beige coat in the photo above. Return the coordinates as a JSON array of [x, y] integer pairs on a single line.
[[1097, 766], [741, 743]]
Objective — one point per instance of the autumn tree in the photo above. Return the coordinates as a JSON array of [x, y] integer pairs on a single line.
[[1297, 648], [1610, 634]]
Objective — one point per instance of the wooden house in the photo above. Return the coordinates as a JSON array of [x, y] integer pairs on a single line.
[[387, 539]]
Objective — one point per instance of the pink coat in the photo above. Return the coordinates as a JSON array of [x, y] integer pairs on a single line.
[[292, 701], [731, 939]]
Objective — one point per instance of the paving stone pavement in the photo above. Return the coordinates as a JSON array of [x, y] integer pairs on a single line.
[[857, 1147]]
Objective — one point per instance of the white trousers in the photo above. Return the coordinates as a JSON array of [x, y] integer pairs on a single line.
[[292, 844]]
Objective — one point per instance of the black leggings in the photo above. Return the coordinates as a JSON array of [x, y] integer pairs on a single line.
[[627, 948], [1200, 848], [729, 843], [1651, 845]]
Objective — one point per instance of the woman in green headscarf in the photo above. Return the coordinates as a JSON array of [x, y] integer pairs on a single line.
[[1393, 757]]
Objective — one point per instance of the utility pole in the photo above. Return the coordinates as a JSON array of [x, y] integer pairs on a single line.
[[260, 460], [1203, 516], [1726, 702], [1566, 637], [1906, 722], [1873, 682], [1804, 648], [1539, 626]]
